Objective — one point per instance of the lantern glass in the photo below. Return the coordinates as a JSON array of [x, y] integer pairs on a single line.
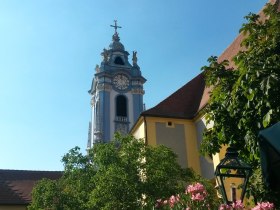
[[232, 175]]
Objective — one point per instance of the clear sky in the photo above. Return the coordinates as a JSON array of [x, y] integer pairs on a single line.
[[49, 48]]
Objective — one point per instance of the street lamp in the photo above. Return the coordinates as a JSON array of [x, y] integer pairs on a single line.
[[232, 175]]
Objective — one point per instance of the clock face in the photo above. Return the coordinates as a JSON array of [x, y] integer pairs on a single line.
[[121, 81]]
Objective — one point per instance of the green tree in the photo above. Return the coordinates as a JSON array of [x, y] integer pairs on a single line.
[[71, 191], [131, 173], [122, 174], [46, 195], [246, 99]]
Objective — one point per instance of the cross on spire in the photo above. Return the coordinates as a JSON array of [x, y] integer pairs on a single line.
[[115, 26]]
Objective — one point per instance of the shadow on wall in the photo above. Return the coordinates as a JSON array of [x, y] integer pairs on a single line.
[[206, 163]]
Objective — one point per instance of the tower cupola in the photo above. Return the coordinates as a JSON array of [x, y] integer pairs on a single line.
[[116, 44]]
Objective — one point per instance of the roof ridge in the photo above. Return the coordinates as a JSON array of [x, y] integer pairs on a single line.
[[177, 105], [176, 91]]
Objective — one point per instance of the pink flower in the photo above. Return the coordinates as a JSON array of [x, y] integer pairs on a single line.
[[198, 197], [173, 200], [224, 207], [195, 188], [264, 206], [238, 205], [197, 191]]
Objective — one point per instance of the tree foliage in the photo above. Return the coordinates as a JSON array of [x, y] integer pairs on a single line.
[[46, 196], [246, 99], [69, 192], [122, 174]]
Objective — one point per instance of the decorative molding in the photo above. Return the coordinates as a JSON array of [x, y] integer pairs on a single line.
[[136, 82], [92, 101], [121, 119], [137, 91], [104, 87]]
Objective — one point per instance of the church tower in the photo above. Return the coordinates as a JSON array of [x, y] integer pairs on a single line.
[[116, 93]]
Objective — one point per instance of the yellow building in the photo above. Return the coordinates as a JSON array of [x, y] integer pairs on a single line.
[[178, 121]]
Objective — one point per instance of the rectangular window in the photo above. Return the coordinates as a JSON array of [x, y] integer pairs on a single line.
[[170, 124]]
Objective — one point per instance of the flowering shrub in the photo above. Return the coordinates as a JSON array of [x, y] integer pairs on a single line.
[[264, 206], [197, 192], [196, 198], [238, 205]]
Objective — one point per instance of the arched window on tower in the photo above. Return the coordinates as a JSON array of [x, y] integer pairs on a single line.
[[121, 108], [97, 117], [118, 61]]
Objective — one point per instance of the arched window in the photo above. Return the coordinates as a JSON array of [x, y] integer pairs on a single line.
[[121, 106], [118, 61], [97, 116]]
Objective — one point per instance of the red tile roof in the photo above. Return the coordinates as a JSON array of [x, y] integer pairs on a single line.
[[187, 101], [184, 103], [16, 185]]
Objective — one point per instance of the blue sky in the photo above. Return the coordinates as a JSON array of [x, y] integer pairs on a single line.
[[49, 48]]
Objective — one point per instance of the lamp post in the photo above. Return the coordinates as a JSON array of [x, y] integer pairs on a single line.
[[232, 175]]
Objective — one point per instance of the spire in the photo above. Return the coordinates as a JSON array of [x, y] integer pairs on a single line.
[[116, 34], [115, 26], [116, 44]]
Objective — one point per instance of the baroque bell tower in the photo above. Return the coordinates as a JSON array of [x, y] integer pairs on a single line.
[[116, 93]]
